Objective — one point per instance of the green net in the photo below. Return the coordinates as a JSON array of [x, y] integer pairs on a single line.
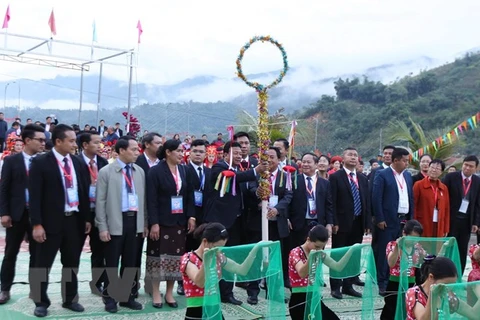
[[341, 263], [245, 263], [413, 250], [456, 301]]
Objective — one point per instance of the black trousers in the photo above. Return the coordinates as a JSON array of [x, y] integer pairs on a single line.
[[13, 240], [461, 230], [195, 313], [284, 246], [297, 306], [97, 259], [345, 238], [138, 264], [390, 307], [68, 242], [124, 247], [234, 239], [253, 287], [298, 237]]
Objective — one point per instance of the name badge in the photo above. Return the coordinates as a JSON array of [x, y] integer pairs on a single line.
[[92, 192], [27, 197], [72, 196], [132, 202], [464, 206], [313, 207], [435, 215], [273, 201], [198, 195], [177, 204]]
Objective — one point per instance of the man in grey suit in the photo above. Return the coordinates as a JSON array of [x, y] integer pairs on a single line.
[[121, 218]]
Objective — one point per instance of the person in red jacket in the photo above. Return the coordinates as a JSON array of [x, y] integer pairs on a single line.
[[431, 200]]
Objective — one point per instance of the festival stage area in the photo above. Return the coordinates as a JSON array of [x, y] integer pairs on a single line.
[[21, 307]]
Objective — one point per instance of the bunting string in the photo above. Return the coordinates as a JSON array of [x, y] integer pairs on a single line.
[[449, 137]]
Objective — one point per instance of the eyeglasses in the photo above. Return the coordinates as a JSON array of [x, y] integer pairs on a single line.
[[435, 168], [41, 140]]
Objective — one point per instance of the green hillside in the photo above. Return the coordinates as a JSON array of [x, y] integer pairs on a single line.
[[437, 99]]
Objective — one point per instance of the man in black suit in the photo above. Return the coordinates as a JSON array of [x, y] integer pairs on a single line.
[[102, 128], [117, 130], [248, 162], [151, 142], [227, 208], [60, 216], [283, 145], [464, 192], [14, 204], [351, 211], [311, 202], [280, 198], [90, 146]]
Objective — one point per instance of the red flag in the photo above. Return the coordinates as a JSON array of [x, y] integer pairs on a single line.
[[140, 30], [51, 24], [6, 19]]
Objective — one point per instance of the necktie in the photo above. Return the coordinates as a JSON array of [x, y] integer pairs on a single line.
[[67, 174], [357, 204], [465, 186], [30, 163], [272, 181], [309, 188], [128, 183], [200, 174], [244, 164], [94, 174]]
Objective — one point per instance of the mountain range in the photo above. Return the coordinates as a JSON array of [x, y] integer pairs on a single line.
[[301, 87]]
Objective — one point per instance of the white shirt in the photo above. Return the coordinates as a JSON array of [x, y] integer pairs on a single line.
[[150, 162], [465, 177], [354, 174], [87, 159], [125, 206], [274, 181], [282, 164], [403, 203], [60, 163]]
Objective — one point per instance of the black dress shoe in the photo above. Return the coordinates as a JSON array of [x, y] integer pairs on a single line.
[[252, 300], [157, 305], [232, 300], [131, 304], [180, 290], [351, 292], [336, 294], [40, 312], [4, 297], [111, 307], [172, 304], [358, 282], [74, 306]]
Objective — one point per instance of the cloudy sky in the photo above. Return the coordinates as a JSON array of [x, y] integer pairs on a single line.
[[182, 39]]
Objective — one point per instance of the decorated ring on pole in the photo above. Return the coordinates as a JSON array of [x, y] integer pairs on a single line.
[[257, 86]]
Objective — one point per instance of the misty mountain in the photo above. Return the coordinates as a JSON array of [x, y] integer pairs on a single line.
[[301, 87]]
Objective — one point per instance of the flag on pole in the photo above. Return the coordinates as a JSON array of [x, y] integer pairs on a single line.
[[51, 24], [94, 35], [140, 30], [6, 20]]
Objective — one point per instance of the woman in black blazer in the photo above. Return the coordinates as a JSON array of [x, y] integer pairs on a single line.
[[170, 208]]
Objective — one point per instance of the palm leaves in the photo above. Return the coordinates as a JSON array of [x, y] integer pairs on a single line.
[[415, 138]]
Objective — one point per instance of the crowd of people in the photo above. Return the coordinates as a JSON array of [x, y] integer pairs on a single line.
[[60, 185]]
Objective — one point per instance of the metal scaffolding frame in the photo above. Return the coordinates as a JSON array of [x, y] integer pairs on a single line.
[[33, 57]]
